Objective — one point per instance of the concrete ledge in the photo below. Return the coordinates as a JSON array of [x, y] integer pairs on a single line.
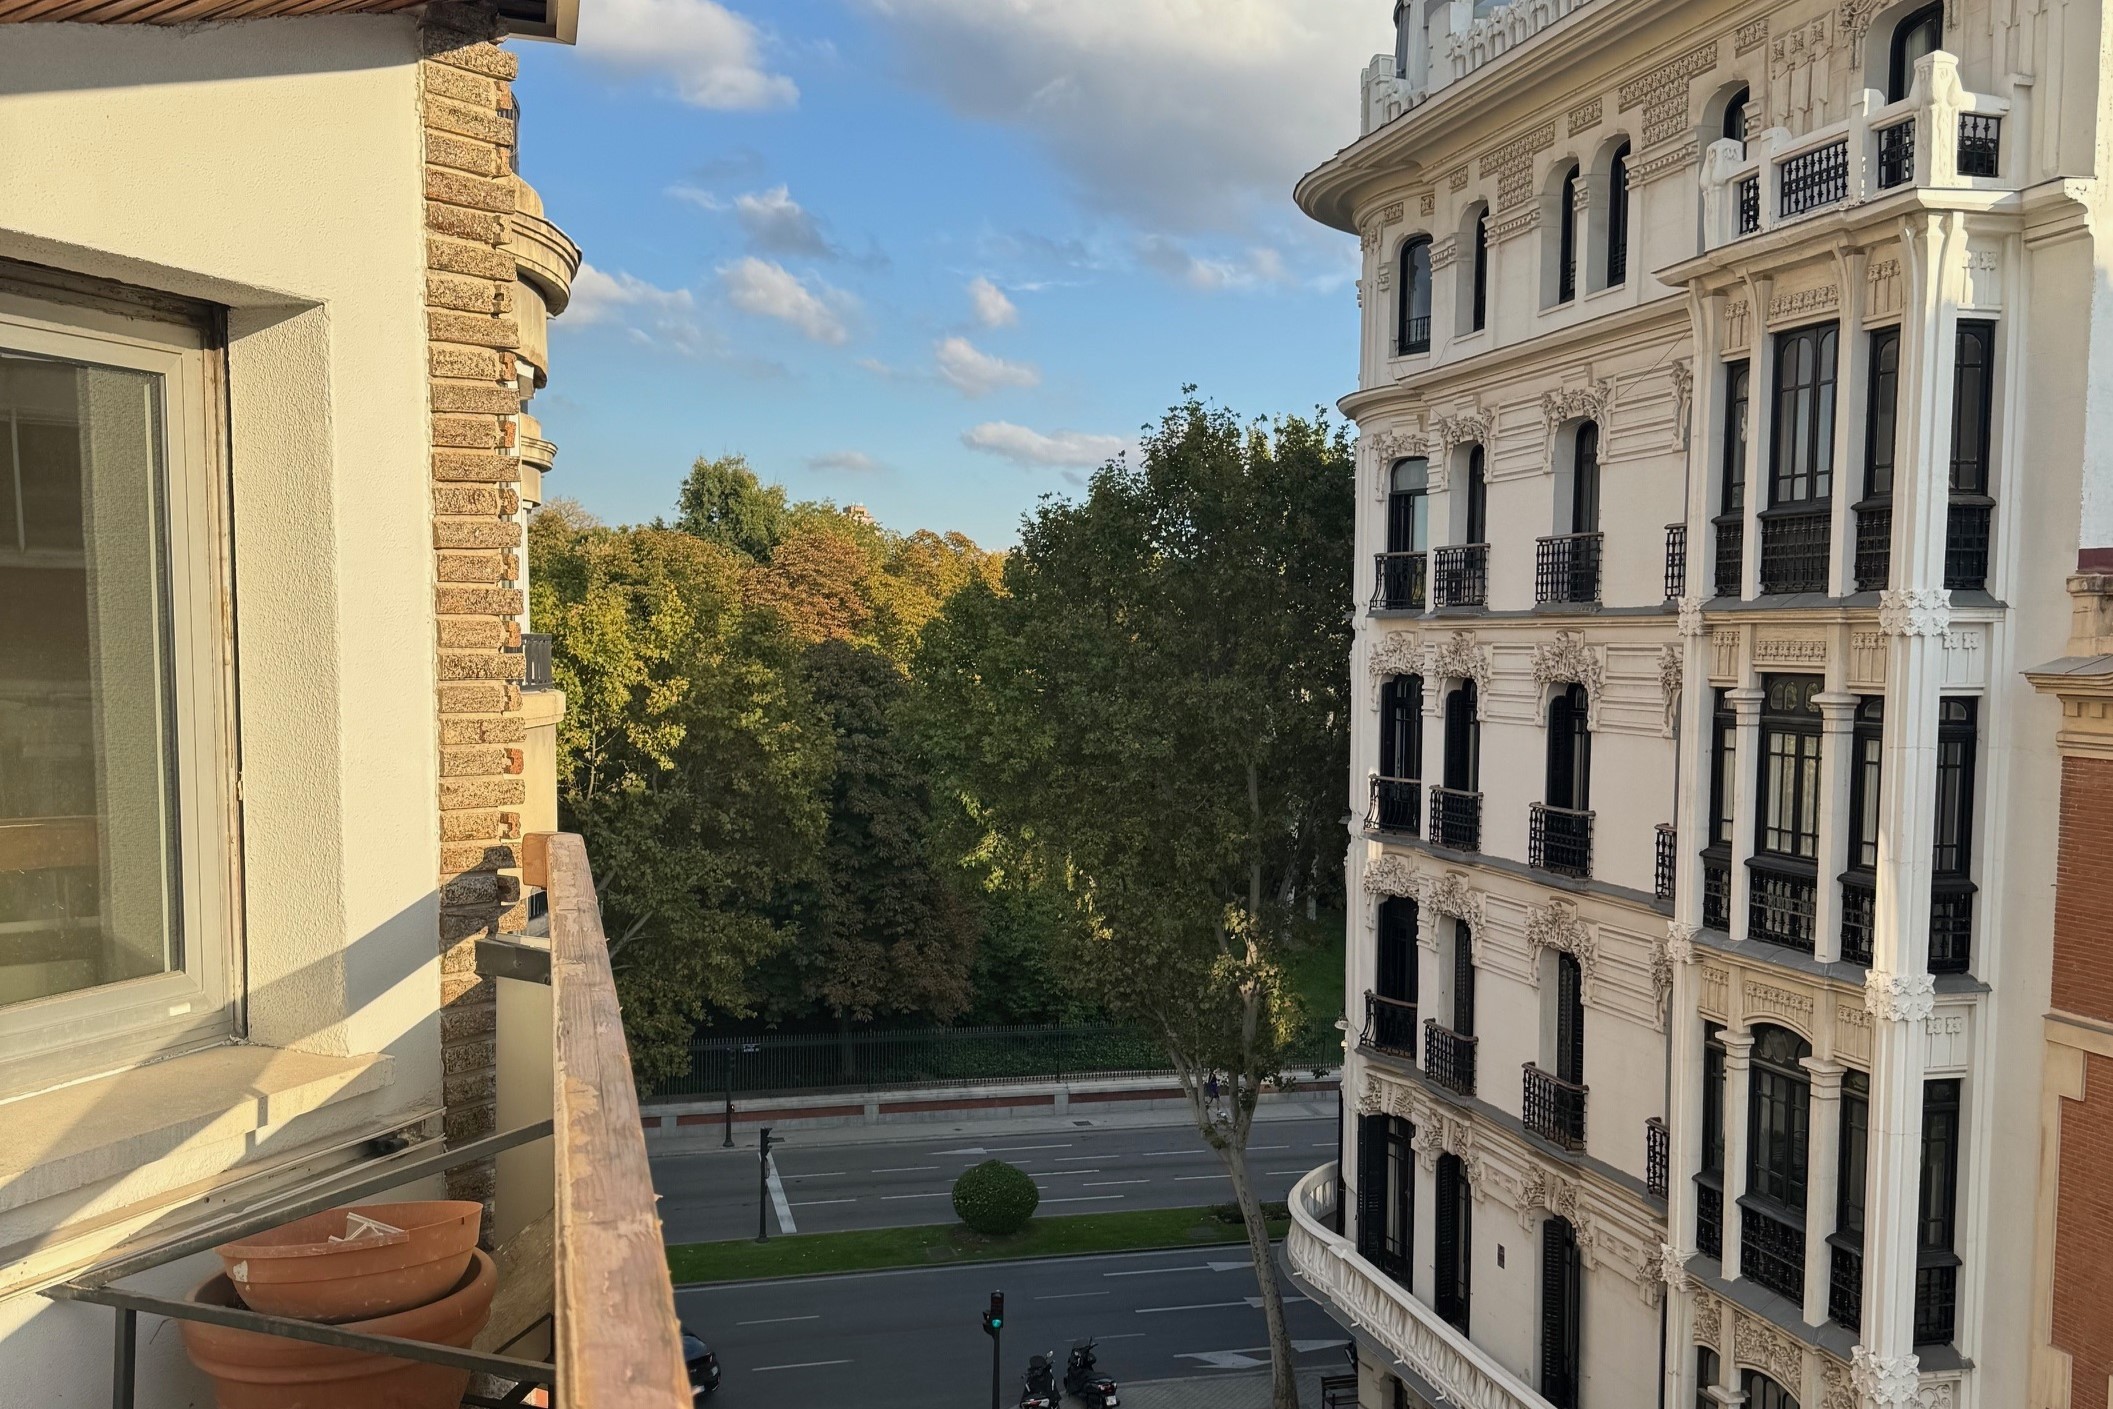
[[694, 1118]]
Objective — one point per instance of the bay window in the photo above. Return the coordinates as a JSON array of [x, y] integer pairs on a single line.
[[1784, 869]]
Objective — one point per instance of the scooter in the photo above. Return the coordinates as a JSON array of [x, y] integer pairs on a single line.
[[1040, 1389], [1081, 1378]]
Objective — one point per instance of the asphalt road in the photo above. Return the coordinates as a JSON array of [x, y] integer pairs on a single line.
[[710, 1195], [914, 1337]]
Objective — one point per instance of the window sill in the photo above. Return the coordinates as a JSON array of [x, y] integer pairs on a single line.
[[69, 1138]]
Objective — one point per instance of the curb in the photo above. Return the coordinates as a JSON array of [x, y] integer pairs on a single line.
[[966, 1262]]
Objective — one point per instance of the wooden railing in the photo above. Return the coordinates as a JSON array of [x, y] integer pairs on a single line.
[[618, 1344]]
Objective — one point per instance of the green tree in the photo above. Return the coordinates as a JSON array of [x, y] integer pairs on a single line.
[[691, 759], [1156, 706], [723, 502]]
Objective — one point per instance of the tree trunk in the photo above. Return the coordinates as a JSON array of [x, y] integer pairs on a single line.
[[1283, 1381]]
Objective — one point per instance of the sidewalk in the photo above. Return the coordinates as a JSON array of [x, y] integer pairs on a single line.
[[1216, 1392]]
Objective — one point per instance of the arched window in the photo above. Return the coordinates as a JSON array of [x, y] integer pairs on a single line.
[[1706, 1364], [1779, 1115], [1415, 310], [1408, 507], [1584, 481], [1477, 497], [1618, 217], [1480, 272], [1566, 238], [1562, 1295], [1570, 750], [1734, 126], [1764, 1393], [1401, 727], [1919, 34]]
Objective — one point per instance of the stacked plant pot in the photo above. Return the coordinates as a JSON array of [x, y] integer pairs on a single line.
[[410, 1270]]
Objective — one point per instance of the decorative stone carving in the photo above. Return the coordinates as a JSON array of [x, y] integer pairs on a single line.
[[1427, 1145], [1392, 212], [1556, 926], [1512, 164], [1427, 204], [1570, 660], [1899, 997], [1468, 428], [1395, 653], [1662, 93], [1691, 623], [1450, 894], [1671, 673], [1672, 1267], [1709, 1321], [1751, 36], [1384, 448], [1885, 1380], [1518, 222], [1674, 156], [1789, 650], [1391, 875], [1683, 379], [1835, 1390], [1915, 612], [1370, 1099], [1457, 179], [1445, 251], [1803, 301], [1460, 659], [1582, 116], [1680, 942], [1590, 402], [1762, 1346]]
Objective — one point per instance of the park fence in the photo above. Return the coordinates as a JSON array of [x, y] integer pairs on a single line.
[[780, 1064]]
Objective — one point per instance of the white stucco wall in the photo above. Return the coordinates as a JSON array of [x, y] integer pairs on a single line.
[[274, 167]]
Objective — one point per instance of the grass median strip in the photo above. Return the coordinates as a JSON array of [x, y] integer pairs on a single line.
[[869, 1249]]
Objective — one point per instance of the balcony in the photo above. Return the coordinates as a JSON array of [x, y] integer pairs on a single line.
[[1782, 901], [574, 1229], [1874, 545], [1456, 819], [1938, 137], [1449, 1058], [1566, 568], [1559, 840], [1415, 336], [1657, 1157], [1709, 1216], [1845, 1285], [1356, 1293], [1390, 1026], [1554, 1109], [535, 661], [1461, 576], [1859, 907], [1772, 1253], [1665, 863], [1966, 543], [1397, 806], [1794, 550], [1716, 892], [1398, 581], [1730, 579], [1951, 921], [1675, 561]]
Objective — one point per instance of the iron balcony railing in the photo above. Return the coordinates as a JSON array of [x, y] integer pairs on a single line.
[[1951, 925], [1859, 907], [1456, 819], [1874, 544], [1749, 196], [1338, 1392], [1783, 897], [1397, 806], [1730, 577], [1665, 863], [1559, 839], [1449, 1057], [535, 660], [1398, 581], [1794, 549], [1415, 336], [1896, 155], [1554, 1108], [1772, 1252], [1566, 568], [1709, 1217], [1980, 144], [1966, 543], [1845, 1284], [1716, 891], [1460, 575], [1675, 561], [1936, 1298], [1390, 1026], [1657, 1157], [1814, 179]]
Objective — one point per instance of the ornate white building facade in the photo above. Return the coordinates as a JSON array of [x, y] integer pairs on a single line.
[[1724, 397]]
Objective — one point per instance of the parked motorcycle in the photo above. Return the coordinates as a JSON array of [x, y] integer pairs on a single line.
[[1083, 1378], [1040, 1389]]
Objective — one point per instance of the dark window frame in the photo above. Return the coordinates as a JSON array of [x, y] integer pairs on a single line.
[[1584, 478], [1479, 311], [1401, 727], [1779, 1123], [1738, 388], [1477, 496], [1900, 69], [1882, 414], [1562, 1313], [1414, 276], [1732, 127], [1463, 979], [1790, 738], [1408, 510], [1395, 967], [1617, 268], [1973, 406], [1453, 1260], [1566, 237], [1958, 747], [1463, 739], [1569, 774], [1801, 454], [1569, 1020], [1866, 782]]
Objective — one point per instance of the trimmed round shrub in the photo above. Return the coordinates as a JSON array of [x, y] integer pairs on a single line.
[[995, 1198]]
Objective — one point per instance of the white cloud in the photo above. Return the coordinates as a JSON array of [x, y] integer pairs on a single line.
[[712, 55], [993, 308], [1075, 449], [974, 372], [775, 223], [1258, 267], [855, 462], [771, 290], [702, 199], [1181, 114], [649, 314]]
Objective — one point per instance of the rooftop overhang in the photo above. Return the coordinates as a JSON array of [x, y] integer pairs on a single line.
[[528, 19]]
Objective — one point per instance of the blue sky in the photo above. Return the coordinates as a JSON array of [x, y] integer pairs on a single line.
[[938, 257]]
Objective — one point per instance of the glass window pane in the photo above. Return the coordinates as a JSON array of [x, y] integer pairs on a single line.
[[87, 828]]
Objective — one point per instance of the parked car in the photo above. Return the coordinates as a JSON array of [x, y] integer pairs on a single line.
[[704, 1366]]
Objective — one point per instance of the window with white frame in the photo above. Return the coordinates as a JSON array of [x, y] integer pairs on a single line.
[[117, 819]]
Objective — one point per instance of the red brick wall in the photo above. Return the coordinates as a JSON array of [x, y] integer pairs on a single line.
[[2083, 1239], [2083, 899]]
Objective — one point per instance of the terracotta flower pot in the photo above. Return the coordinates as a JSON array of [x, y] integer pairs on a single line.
[[251, 1370], [295, 1270]]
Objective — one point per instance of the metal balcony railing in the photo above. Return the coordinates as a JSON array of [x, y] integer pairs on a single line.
[[1980, 144], [1554, 1109], [1456, 819], [1782, 901], [1749, 199], [1415, 336], [1390, 1026], [1449, 1058], [1812, 179], [1845, 1285], [1397, 806], [1566, 568], [1460, 576], [1398, 581], [1675, 561], [1966, 543], [1657, 1157], [1716, 893], [1709, 1217], [1665, 863], [1896, 154], [1874, 545], [1936, 1299], [1730, 577], [1859, 906], [1559, 839], [1772, 1253], [1794, 550]]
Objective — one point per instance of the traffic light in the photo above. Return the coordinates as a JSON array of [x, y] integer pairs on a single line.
[[994, 1314]]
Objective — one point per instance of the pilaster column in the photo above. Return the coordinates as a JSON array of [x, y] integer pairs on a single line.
[[1760, 395], [1746, 702], [1850, 388], [1838, 722], [1822, 1179], [1738, 1064], [1422, 1270]]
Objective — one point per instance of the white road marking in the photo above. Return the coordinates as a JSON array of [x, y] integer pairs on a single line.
[[1110, 1183], [1083, 1199], [907, 1169], [777, 1195], [828, 1174], [1064, 1173], [1256, 1302], [1198, 1306], [1059, 1296], [1252, 1148], [1187, 1178], [1081, 1159], [816, 1203], [774, 1320], [802, 1365], [1186, 1267], [1015, 1149], [1167, 1154], [1267, 1173], [942, 1194]]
